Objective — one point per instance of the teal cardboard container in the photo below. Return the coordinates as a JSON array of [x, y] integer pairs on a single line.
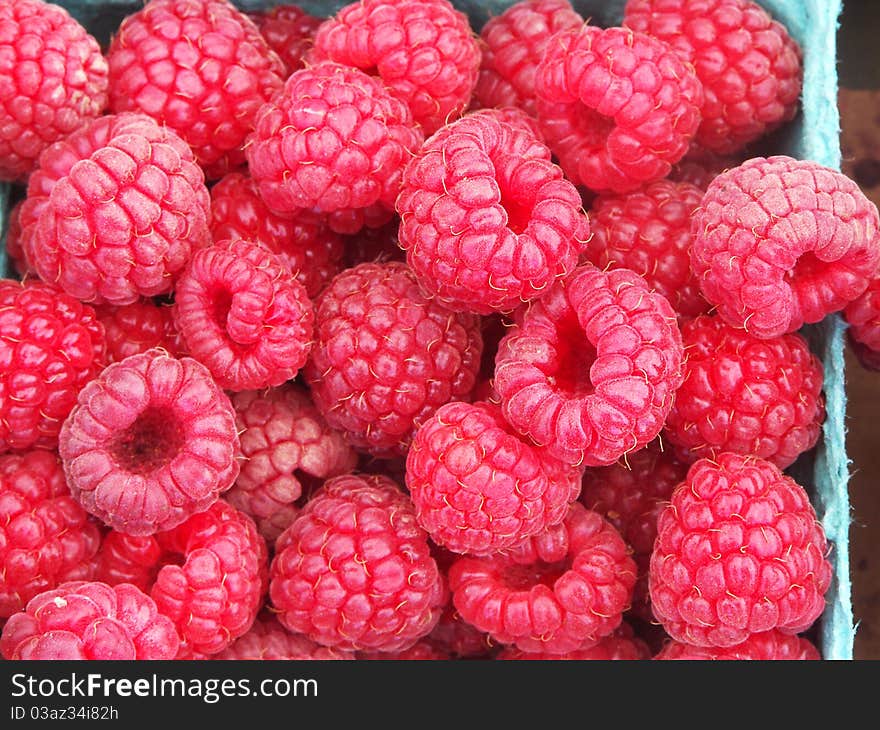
[[813, 135]]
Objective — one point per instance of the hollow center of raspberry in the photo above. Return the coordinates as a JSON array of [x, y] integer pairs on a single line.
[[806, 269], [519, 211], [150, 443], [523, 577], [593, 127], [575, 355]]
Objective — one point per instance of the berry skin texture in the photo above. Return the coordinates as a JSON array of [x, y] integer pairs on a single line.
[[424, 651], [289, 31], [243, 315], [354, 570], [151, 441], [423, 51], [477, 487], [83, 620], [128, 559], [748, 64], [739, 551], [622, 645], [386, 357], [767, 646], [863, 317], [53, 79], [754, 397], [46, 538], [590, 370], [198, 67], [562, 590], [114, 211], [137, 327], [780, 242], [268, 640], [51, 345], [617, 108], [487, 219]]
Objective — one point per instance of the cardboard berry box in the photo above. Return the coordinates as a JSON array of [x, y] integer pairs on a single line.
[[813, 135]]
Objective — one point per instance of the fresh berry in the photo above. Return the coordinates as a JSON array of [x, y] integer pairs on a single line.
[[354, 570], [53, 79], [289, 30], [424, 650], [767, 646], [386, 356], [129, 559], [82, 620], [457, 638], [242, 313], [137, 327], [114, 211], [151, 441], [487, 219], [617, 108], [198, 67], [863, 317], [780, 242], [512, 115], [739, 551], [268, 640], [622, 645], [748, 64], [51, 345], [424, 51]]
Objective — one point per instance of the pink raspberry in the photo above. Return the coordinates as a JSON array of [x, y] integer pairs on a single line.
[[487, 219], [243, 315], [268, 640], [780, 242], [622, 645], [82, 620], [129, 559], [114, 211], [863, 317], [739, 551], [289, 30], [198, 67], [767, 646], [617, 108], [512, 115], [151, 441], [137, 327]]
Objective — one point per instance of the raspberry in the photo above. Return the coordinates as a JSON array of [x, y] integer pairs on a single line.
[[422, 651], [198, 67], [334, 140], [151, 441], [622, 645], [780, 242], [754, 397], [214, 595], [749, 66], [591, 369], [243, 314], [129, 559], [268, 640], [739, 551], [386, 356], [617, 108], [53, 79], [354, 570], [487, 220], [477, 487], [562, 590], [114, 211], [514, 43], [424, 51], [457, 638], [82, 620], [513, 116], [649, 232], [863, 317], [137, 327], [766, 646], [285, 443], [46, 538], [51, 345], [289, 31], [302, 240]]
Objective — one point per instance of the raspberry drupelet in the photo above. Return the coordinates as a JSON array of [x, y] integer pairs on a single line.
[[268, 640], [622, 645], [767, 646], [137, 327], [423, 651], [863, 317], [289, 30], [131, 559]]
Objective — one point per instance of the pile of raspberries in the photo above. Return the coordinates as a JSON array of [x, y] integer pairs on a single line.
[[373, 337]]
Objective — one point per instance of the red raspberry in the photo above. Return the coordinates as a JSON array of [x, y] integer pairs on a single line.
[[289, 30], [622, 645], [780, 242], [386, 356], [424, 51], [555, 592], [268, 640], [114, 211], [53, 79], [286, 445], [513, 44], [591, 369], [354, 570], [766, 646], [754, 397], [422, 651], [46, 538], [137, 327], [198, 67], [243, 314], [487, 220], [51, 345], [151, 441], [302, 240], [334, 140], [649, 232], [129, 559], [456, 637], [214, 595], [477, 487], [739, 551], [513, 116], [749, 66], [617, 108], [863, 316], [81, 620]]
